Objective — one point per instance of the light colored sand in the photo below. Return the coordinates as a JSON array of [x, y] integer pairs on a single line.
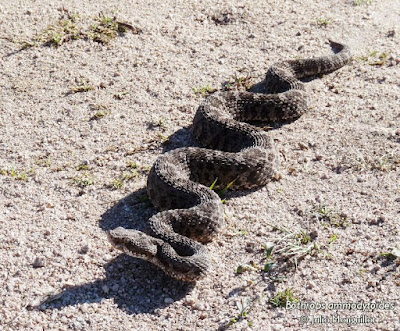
[[344, 154]]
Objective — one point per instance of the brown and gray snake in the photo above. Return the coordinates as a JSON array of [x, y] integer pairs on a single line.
[[178, 183]]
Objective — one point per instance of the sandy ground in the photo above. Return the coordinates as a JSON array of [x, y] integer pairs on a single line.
[[74, 165]]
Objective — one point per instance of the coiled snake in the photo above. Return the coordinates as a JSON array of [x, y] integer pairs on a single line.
[[178, 183]]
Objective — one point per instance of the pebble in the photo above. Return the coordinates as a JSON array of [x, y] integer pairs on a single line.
[[64, 320], [107, 257], [189, 301], [311, 284], [39, 262], [84, 308], [199, 306], [84, 249]]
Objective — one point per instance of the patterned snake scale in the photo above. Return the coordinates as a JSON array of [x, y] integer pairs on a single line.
[[178, 183]]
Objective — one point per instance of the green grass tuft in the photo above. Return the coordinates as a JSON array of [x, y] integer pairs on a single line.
[[282, 297], [72, 26]]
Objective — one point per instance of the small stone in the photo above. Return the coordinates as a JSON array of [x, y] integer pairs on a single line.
[[39, 262], [105, 289], [277, 327], [203, 316], [35, 303], [103, 85], [107, 257], [347, 281], [375, 269], [10, 288], [311, 285], [199, 306], [83, 308], [115, 287], [189, 301], [250, 247], [303, 146], [313, 235], [168, 300], [84, 249]]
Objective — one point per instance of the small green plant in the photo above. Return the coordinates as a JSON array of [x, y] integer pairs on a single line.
[[163, 138], [362, 2], [329, 216], [270, 263], [237, 232], [323, 21], [120, 95], [221, 192], [101, 111], [146, 168], [204, 90], [161, 123], [387, 162], [16, 174], [213, 184], [282, 297], [362, 271], [21, 176], [82, 166], [56, 34], [43, 161], [393, 254], [132, 164], [104, 29], [243, 306], [239, 83], [82, 86], [245, 267], [117, 184], [101, 29], [292, 246], [333, 238], [304, 237], [374, 58], [99, 114], [126, 176], [381, 59], [83, 181]]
